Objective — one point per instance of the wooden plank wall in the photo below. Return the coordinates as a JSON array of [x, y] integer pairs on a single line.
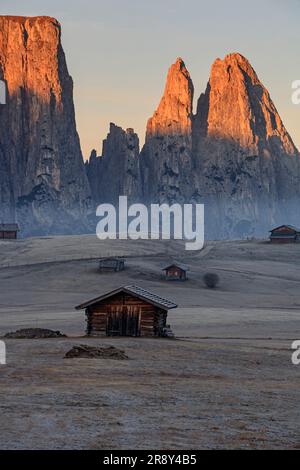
[[8, 235], [175, 273], [152, 319]]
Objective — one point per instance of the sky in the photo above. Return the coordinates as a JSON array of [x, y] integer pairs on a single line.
[[119, 51]]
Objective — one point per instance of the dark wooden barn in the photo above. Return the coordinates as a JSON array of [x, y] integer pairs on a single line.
[[9, 231], [176, 272], [285, 234], [127, 311], [111, 264]]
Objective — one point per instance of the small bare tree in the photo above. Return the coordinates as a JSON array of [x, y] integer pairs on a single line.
[[211, 280]]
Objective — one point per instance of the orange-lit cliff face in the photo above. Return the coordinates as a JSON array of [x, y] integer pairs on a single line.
[[234, 154], [29, 56], [174, 113], [40, 151], [236, 106], [166, 156], [246, 165]]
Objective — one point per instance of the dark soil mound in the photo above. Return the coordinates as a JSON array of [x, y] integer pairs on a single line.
[[34, 333], [92, 352]]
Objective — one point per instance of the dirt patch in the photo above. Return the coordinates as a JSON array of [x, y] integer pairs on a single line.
[[34, 333], [93, 352]]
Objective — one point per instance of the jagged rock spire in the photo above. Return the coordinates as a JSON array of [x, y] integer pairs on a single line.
[[166, 156], [238, 107], [116, 172], [174, 113], [246, 165]]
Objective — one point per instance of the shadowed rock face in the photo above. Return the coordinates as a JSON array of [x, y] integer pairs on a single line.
[[43, 182], [116, 172], [246, 165], [166, 156]]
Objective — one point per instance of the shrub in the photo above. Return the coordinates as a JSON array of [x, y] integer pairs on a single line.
[[211, 280]]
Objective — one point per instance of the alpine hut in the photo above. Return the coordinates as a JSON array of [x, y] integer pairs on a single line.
[[9, 231], [176, 272], [127, 311], [285, 234], [111, 264]]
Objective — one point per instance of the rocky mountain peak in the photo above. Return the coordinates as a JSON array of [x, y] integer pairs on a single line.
[[166, 155], [235, 59], [237, 107], [116, 172], [234, 155], [174, 113], [246, 165], [32, 41], [43, 181]]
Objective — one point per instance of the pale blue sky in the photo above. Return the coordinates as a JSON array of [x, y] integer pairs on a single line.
[[119, 51]]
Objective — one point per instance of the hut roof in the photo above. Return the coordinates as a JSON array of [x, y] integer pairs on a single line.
[[136, 291], [9, 227], [291, 227], [182, 266]]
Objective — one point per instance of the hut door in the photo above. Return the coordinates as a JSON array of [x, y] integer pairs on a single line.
[[131, 321], [124, 321]]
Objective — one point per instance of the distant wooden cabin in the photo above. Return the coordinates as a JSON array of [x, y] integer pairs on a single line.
[[176, 272], [127, 311], [285, 234], [9, 231], [111, 264]]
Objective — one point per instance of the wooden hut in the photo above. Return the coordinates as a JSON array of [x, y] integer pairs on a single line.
[[127, 311], [176, 272], [111, 264], [9, 231], [285, 234]]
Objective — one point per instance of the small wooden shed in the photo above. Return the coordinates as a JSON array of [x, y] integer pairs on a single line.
[[285, 234], [9, 231], [176, 272], [111, 264], [127, 311]]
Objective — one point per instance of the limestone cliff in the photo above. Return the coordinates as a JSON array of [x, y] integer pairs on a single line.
[[43, 182], [246, 165], [166, 156], [116, 172], [234, 155]]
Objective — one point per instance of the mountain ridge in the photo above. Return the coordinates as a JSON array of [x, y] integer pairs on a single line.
[[234, 153]]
